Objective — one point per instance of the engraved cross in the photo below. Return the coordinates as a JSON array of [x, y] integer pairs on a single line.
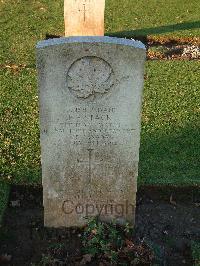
[[89, 162], [84, 10], [84, 17]]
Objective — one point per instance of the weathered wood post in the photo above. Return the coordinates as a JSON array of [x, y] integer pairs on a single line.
[[84, 17]]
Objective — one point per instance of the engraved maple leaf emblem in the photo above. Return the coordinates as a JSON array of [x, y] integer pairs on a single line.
[[89, 76]]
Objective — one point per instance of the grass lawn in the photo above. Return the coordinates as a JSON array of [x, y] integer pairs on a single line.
[[179, 18], [196, 253], [19, 126], [170, 146]]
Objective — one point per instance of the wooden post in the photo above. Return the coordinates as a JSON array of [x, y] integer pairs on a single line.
[[84, 17]]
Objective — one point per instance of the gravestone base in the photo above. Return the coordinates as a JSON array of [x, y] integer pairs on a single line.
[[108, 203], [121, 212]]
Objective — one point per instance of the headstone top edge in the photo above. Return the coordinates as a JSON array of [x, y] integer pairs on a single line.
[[90, 39]]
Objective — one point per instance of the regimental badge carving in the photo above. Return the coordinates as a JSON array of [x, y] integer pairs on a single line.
[[89, 77]]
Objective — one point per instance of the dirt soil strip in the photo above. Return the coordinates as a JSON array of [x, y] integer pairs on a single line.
[[167, 219]]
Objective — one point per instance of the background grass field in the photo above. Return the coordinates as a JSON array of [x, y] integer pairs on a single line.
[[170, 148]]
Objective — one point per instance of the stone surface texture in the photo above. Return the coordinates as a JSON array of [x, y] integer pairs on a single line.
[[90, 107]]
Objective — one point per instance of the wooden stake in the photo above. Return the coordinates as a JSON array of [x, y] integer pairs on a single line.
[[84, 17]]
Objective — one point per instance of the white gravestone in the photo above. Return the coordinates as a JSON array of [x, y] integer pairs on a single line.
[[90, 108]]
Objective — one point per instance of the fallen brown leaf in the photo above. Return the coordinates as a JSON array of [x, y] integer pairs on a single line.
[[129, 243]]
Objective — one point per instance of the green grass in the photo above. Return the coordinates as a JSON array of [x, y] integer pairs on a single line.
[[178, 18], [23, 23], [196, 252], [170, 147], [19, 126]]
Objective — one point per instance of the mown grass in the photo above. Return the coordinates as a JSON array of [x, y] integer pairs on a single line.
[[19, 126], [196, 252], [23, 23], [170, 148], [178, 18]]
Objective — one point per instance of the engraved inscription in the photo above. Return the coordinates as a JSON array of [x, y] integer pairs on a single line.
[[92, 127], [89, 76]]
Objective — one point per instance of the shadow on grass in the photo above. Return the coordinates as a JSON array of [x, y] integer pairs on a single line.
[[158, 30], [170, 159]]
